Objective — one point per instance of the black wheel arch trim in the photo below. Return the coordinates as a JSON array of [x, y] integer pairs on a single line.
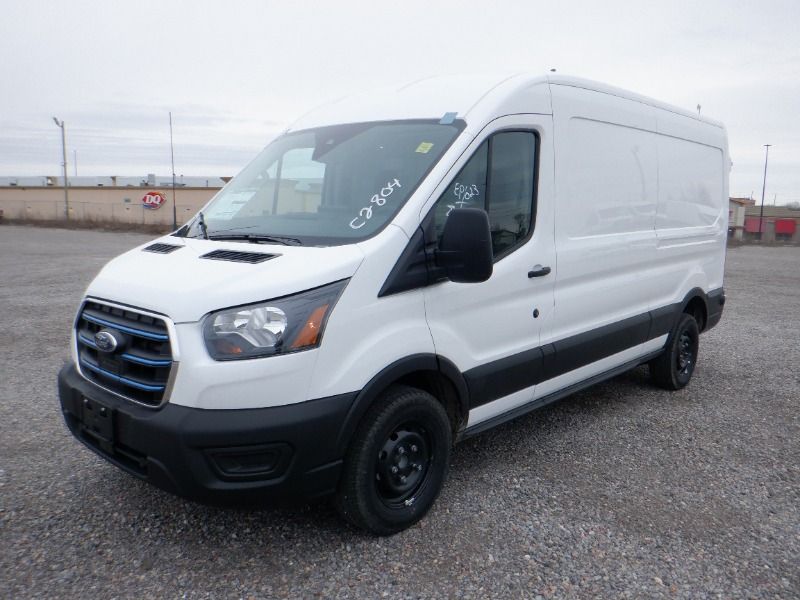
[[416, 363], [713, 301], [691, 295]]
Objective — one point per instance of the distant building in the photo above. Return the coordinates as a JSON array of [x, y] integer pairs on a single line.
[[780, 224], [150, 180], [113, 199]]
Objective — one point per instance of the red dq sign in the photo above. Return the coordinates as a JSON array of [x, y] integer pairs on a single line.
[[153, 200]]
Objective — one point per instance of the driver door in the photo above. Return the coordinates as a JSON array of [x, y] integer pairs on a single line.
[[491, 330]]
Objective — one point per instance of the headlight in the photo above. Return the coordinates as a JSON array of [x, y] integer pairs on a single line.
[[288, 324]]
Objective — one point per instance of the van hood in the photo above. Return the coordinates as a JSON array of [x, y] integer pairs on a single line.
[[177, 277]]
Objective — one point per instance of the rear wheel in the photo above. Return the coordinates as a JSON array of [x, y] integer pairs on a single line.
[[673, 369], [397, 463]]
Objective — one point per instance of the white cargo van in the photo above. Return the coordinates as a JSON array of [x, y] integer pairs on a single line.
[[398, 271]]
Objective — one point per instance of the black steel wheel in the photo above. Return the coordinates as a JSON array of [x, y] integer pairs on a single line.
[[673, 369], [397, 462], [402, 464]]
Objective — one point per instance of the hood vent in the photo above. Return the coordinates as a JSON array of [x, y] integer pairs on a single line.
[[161, 248], [237, 256]]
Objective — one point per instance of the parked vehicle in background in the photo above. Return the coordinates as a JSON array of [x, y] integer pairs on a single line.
[[397, 272]]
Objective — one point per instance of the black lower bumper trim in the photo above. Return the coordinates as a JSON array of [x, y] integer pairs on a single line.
[[221, 457], [716, 301]]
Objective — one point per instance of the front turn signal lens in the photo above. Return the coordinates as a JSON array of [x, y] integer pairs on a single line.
[[309, 334]]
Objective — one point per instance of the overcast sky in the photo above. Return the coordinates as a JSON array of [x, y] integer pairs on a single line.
[[234, 74]]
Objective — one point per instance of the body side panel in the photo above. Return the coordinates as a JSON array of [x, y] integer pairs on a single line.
[[606, 189], [692, 214]]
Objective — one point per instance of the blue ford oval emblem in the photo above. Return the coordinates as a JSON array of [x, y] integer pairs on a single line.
[[105, 341]]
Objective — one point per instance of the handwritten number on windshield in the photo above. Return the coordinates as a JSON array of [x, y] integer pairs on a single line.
[[365, 214]]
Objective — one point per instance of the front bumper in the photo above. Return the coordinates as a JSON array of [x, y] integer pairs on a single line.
[[221, 457]]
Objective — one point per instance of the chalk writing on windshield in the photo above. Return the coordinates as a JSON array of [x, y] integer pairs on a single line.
[[377, 200]]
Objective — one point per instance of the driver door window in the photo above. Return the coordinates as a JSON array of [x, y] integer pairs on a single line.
[[500, 179]]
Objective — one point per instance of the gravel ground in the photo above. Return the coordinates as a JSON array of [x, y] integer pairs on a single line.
[[623, 490]]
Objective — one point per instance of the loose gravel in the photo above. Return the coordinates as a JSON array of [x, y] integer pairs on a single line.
[[623, 490]]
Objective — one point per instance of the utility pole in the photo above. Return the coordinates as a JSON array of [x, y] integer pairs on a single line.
[[763, 188], [75, 161], [172, 156], [64, 154]]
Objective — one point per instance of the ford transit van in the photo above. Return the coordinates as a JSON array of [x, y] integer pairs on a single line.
[[398, 271]]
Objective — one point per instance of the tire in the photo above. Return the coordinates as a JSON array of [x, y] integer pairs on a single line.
[[397, 463], [673, 369]]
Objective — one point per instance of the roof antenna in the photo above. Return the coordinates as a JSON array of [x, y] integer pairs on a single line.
[[698, 110], [552, 70]]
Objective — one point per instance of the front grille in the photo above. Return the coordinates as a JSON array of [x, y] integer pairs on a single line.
[[140, 366]]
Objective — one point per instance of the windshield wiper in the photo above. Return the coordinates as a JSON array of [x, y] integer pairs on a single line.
[[256, 238]]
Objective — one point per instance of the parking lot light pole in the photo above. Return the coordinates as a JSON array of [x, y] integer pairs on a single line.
[[763, 189], [64, 154]]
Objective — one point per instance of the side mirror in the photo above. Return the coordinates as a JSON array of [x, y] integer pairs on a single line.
[[465, 251]]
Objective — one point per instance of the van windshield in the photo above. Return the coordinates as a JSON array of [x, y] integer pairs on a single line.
[[328, 186]]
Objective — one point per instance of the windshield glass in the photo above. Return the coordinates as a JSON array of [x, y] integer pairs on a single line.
[[330, 185]]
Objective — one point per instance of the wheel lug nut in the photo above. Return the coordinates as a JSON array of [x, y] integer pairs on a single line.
[[413, 447], [394, 469], [402, 478], [401, 450], [418, 467]]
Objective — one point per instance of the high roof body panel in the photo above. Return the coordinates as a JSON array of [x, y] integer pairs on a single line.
[[476, 98], [588, 84], [469, 96]]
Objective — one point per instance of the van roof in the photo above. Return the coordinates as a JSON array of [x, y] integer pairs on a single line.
[[588, 84], [479, 96]]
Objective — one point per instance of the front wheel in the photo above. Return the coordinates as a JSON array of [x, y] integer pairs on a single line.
[[397, 463], [673, 369]]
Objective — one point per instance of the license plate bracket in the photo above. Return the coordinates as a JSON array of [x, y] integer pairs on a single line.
[[97, 421]]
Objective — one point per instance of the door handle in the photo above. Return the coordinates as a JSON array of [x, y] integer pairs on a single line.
[[539, 271]]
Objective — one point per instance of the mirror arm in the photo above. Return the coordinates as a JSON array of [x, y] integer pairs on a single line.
[[437, 271]]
